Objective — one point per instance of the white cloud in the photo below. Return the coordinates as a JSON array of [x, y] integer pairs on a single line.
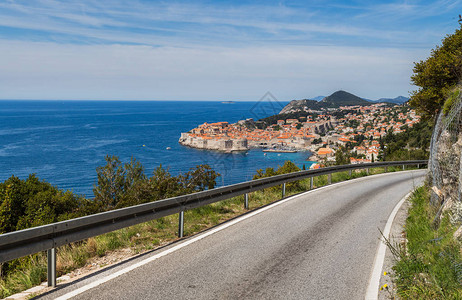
[[31, 70], [173, 24]]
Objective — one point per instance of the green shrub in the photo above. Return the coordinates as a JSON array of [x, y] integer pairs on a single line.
[[451, 100]]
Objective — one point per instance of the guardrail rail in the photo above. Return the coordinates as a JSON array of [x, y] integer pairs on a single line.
[[48, 237]]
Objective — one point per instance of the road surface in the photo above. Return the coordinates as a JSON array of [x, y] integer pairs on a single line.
[[318, 245]]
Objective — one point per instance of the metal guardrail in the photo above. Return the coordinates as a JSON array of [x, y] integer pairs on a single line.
[[48, 237]]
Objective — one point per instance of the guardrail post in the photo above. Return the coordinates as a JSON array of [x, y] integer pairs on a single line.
[[403, 167], [329, 179], [51, 267], [311, 182], [418, 166], [283, 190], [367, 171], [246, 201], [349, 173], [386, 169], [181, 224]]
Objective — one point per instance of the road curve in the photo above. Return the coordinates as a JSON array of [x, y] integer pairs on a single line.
[[318, 245]]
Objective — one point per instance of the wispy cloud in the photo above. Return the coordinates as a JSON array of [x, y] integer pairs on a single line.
[[124, 49], [411, 11], [150, 23]]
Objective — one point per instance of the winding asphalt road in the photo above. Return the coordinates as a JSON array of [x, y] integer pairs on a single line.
[[317, 245]]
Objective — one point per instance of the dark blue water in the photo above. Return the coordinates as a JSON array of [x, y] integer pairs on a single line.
[[64, 141]]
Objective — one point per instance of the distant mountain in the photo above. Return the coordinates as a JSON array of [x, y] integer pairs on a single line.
[[342, 98], [318, 98], [397, 100], [369, 100]]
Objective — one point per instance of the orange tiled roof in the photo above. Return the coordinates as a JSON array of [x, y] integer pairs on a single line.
[[323, 151]]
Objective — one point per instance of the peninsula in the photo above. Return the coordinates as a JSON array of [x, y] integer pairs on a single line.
[[287, 135], [322, 127]]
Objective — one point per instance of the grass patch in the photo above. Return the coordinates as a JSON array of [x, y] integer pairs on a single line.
[[31, 274], [430, 264]]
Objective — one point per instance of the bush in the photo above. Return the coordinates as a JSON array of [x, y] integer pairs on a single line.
[[451, 100], [287, 167]]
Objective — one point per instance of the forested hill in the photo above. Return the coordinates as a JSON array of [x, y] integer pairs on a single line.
[[342, 98]]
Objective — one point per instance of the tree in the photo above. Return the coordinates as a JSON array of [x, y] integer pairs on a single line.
[[32, 202], [262, 174], [341, 156], [413, 143], [111, 182], [121, 185], [163, 184], [134, 172], [199, 178], [124, 185], [136, 189], [48, 206], [437, 75], [287, 167], [11, 207]]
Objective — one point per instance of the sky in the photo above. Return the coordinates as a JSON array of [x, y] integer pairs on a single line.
[[215, 50]]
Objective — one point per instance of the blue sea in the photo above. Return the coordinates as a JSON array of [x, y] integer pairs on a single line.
[[63, 142]]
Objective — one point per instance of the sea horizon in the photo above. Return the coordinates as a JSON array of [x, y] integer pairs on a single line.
[[64, 141]]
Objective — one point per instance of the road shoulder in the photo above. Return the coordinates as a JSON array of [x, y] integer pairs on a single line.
[[397, 237]]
